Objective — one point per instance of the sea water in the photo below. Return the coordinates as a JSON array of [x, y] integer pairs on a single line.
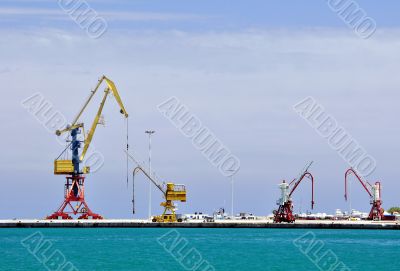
[[198, 249]]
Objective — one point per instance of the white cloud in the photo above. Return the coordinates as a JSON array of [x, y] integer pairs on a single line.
[[28, 11], [114, 15], [150, 16]]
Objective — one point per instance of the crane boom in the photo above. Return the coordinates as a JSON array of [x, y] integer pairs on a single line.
[[111, 86], [93, 92], [68, 166], [160, 187], [364, 184], [147, 174], [114, 91], [305, 169], [92, 130]]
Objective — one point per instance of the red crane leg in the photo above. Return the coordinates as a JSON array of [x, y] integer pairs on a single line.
[[284, 213], [376, 212], [74, 201]]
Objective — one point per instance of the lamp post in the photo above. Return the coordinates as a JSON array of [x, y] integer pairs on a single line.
[[150, 133], [232, 194]]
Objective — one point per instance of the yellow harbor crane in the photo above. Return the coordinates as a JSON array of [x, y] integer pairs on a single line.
[[171, 192], [67, 167], [74, 187]]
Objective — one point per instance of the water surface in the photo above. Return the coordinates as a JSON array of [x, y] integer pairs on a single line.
[[223, 249]]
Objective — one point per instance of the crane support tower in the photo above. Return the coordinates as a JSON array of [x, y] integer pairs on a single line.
[[171, 192], [74, 191], [285, 209], [374, 192]]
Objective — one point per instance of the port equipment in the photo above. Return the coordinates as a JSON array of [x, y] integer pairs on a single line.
[[285, 209], [374, 192], [74, 191], [171, 192]]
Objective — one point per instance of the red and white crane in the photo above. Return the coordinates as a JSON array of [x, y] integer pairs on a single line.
[[285, 209], [374, 192]]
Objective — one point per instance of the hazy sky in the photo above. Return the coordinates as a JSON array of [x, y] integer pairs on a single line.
[[239, 66]]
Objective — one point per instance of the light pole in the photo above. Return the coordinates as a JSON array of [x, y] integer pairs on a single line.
[[150, 133], [231, 177]]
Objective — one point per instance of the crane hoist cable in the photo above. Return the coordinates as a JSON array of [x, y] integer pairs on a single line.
[[133, 193], [127, 151]]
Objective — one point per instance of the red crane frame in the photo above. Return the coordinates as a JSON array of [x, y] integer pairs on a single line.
[[376, 212], [285, 211], [74, 193]]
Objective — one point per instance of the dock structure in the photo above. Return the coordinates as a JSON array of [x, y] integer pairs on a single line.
[[121, 223]]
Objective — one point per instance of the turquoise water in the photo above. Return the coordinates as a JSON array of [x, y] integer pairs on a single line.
[[223, 249]]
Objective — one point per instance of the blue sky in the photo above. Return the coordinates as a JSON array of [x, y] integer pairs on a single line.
[[239, 66], [212, 15]]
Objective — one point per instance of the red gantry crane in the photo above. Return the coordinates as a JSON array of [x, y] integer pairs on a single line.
[[374, 192], [285, 210]]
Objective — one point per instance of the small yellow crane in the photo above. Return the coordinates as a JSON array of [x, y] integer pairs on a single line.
[[171, 192], [74, 187]]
